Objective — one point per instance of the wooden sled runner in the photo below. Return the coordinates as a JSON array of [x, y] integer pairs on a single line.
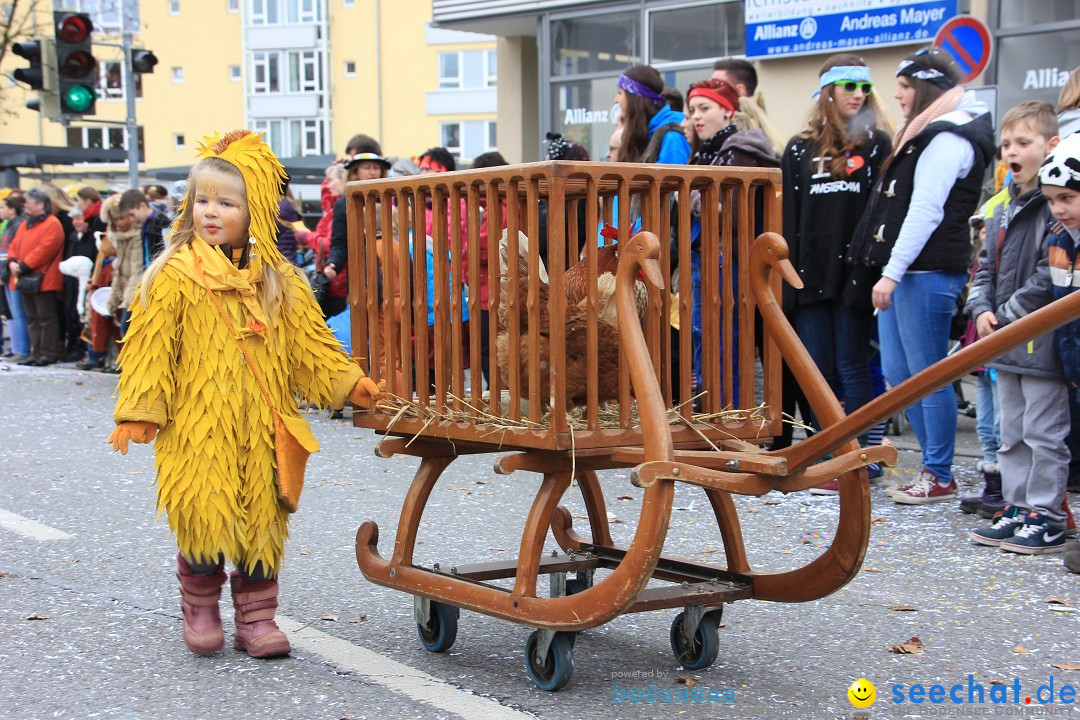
[[668, 443]]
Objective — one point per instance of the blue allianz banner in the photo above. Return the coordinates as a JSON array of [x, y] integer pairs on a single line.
[[781, 28]]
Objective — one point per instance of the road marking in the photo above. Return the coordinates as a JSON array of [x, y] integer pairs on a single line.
[[396, 676], [29, 528]]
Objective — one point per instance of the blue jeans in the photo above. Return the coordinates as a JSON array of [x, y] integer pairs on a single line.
[[838, 338], [19, 325], [987, 414], [696, 323], [914, 335]]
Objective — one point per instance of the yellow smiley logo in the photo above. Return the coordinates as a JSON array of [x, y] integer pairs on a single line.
[[862, 693]]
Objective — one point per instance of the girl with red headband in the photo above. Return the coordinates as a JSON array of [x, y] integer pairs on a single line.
[[712, 104]]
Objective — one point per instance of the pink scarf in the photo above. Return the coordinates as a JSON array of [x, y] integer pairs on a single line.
[[942, 106]]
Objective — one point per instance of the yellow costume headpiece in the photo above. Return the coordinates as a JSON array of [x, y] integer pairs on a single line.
[[264, 176]]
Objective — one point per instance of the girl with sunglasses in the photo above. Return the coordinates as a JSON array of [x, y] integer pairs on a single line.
[[829, 169], [912, 248]]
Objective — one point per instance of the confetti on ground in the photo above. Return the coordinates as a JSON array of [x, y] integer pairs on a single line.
[[816, 538]]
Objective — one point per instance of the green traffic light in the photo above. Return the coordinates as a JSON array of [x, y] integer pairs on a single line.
[[79, 98]]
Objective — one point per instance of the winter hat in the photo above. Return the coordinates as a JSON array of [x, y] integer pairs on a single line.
[[367, 153], [178, 191], [1062, 167]]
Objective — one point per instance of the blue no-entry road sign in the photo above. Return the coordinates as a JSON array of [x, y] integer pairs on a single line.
[[969, 41]]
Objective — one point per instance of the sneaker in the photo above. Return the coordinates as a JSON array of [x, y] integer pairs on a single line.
[[829, 487], [925, 490], [875, 471], [902, 485], [1037, 536], [18, 359], [91, 365], [1003, 528]]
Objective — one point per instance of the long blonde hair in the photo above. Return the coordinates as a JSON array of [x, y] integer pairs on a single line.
[[275, 285], [829, 132]]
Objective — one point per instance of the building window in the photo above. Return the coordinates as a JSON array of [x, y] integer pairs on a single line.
[[450, 71], [696, 33], [234, 73], [596, 43], [301, 11], [111, 81], [178, 74], [106, 16], [350, 68], [489, 136], [266, 72], [490, 67], [174, 7], [304, 72], [450, 135], [349, 3], [234, 6], [178, 141], [264, 12], [292, 138], [95, 138], [290, 12]]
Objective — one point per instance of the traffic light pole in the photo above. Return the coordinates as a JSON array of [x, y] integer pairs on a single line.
[[132, 126]]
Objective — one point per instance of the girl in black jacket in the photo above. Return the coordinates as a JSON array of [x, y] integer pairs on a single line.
[[829, 169]]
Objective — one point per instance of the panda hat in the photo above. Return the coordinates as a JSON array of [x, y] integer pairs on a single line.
[[1062, 167]]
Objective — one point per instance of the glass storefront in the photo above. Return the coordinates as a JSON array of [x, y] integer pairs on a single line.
[[1035, 67], [1038, 45], [588, 52]]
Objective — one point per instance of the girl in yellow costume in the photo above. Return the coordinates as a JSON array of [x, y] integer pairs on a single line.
[[185, 375]]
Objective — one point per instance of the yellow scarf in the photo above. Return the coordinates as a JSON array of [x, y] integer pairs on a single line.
[[211, 269]]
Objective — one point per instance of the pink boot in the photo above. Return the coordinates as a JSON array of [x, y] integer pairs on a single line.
[[199, 595], [256, 631]]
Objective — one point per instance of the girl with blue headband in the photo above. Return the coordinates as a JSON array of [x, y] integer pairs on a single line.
[[829, 169]]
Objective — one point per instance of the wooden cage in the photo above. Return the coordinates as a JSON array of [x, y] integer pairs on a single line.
[[526, 405]]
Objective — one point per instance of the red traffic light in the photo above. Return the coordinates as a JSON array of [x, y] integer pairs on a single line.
[[73, 27], [77, 64]]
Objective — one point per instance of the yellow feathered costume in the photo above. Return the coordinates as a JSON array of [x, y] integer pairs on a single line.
[[185, 373]]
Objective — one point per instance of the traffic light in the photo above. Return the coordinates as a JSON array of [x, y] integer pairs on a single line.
[[75, 64], [143, 61], [40, 76]]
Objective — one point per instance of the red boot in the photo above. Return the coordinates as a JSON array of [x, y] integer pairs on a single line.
[[199, 595], [256, 631]]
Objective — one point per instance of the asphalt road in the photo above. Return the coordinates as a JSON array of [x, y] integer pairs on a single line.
[[90, 617]]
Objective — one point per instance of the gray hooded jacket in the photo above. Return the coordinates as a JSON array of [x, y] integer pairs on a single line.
[[1013, 279]]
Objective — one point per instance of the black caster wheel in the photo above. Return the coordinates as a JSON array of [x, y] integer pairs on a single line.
[[441, 630], [701, 653], [554, 671]]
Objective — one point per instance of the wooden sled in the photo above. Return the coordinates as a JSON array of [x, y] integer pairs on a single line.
[[657, 452]]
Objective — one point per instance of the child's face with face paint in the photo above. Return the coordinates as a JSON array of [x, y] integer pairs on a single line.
[[221, 212]]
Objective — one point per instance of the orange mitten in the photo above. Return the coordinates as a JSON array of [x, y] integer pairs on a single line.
[[139, 432], [365, 393]]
